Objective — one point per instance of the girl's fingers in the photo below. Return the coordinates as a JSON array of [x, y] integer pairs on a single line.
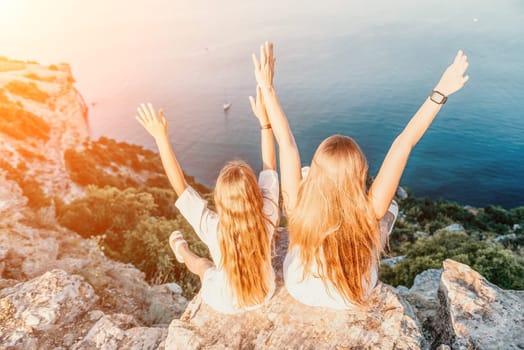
[[259, 94], [151, 110], [465, 79], [459, 55], [262, 54], [255, 61], [141, 114], [253, 105]]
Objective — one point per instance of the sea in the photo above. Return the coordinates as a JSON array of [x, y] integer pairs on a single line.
[[348, 67]]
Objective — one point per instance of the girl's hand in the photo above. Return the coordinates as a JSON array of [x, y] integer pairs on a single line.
[[259, 109], [155, 125], [264, 70], [453, 78]]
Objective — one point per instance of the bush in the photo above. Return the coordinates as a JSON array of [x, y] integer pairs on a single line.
[[21, 124], [498, 265], [40, 78], [124, 222], [27, 90], [30, 187]]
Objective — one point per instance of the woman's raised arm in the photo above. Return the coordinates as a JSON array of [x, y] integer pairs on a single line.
[[267, 142], [157, 127], [288, 150], [385, 185]]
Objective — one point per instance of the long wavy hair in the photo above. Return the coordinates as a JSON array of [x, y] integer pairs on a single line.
[[333, 223], [244, 240]]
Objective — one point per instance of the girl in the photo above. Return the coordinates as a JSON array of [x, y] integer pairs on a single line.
[[335, 241], [240, 275]]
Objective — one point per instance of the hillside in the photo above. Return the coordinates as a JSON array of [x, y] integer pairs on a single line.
[[85, 264]]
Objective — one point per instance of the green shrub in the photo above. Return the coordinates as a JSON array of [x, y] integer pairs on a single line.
[[27, 90], [498, 265], [40, 78], [21, 124], [129, 232], [30, 187]]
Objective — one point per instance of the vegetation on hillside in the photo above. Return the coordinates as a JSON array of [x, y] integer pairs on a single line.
[[19, 123], [131, 220], [28, 90], [491, 241]]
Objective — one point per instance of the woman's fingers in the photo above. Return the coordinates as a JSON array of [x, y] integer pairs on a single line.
[[253, 104], [255, 61], [151, 110], [141, 113], [259, 95], [262, 54], [458, 56], [140, 121]]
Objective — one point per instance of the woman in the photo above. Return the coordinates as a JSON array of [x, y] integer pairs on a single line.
[[335, 241], [240, 276]]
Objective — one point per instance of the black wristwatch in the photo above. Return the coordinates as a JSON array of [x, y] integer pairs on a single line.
[[438, 97]]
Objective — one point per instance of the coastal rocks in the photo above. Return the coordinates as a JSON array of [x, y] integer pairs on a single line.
[[28, 252], [402, 193], [60, 310], [46, 303], [475, 314], [423, 297], [120, 331], [12, 201], [454, 228], [285, 323], [47, 95]]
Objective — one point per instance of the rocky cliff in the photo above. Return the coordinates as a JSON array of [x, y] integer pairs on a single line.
[[59, 290]]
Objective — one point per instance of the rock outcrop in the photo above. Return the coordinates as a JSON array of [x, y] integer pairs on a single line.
[[476, 314], [284, 323], [49, 96], [57, 289]]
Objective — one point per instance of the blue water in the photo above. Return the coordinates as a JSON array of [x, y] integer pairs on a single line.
[[342, 67]]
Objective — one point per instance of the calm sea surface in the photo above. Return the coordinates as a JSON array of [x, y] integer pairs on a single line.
[[342, 67]]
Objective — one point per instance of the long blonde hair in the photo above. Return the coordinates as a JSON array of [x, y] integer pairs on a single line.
[[244, 240], [333, 222]]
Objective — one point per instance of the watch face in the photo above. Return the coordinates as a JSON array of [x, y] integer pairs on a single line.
[[437, 97]]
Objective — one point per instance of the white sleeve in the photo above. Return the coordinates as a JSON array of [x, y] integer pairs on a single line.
[[269, 186], [204, 221]]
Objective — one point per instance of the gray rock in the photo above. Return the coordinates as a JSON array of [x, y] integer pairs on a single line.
[[401, 193], [423, 297], [285, 323], [454, 227], [505, 237], [391, 262], [120, 331], [475, 314], [46, 303]]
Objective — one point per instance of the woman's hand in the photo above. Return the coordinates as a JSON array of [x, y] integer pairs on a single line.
[[264, 70], [259, 108], [155, 125], [453, 78]]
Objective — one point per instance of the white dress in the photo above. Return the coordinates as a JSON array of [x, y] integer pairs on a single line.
[[216, 291]]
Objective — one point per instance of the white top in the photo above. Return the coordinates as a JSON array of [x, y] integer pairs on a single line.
[[311, 290], [215, 288]]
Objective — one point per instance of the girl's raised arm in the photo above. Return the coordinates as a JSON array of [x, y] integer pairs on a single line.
[[385, 185], [267, 142], [288, 150], [157, 127]]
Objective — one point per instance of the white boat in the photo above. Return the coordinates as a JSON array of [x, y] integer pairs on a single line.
[[226, 106]]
